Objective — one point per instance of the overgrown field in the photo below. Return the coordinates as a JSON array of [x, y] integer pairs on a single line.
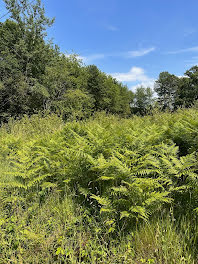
[[105, 190]]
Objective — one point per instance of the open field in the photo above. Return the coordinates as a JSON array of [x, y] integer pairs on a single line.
[[105, 190]]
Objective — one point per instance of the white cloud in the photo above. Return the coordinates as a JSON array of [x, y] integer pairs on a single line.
[[150, 83], [135, 74], [192, 49], [139, 53]]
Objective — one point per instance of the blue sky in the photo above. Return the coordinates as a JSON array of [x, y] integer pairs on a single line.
[[134, 40]]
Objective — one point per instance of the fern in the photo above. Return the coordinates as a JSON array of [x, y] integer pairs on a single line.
[[124, 169]]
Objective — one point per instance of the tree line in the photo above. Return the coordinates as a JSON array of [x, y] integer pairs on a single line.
[[36, 76], [170, 92], [174, 92]]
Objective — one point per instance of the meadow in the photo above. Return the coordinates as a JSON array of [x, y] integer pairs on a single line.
[[103, 190]]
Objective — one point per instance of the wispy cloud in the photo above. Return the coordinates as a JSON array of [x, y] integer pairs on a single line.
[[189, 31], [111, 28], [193, 64], [192, 49], [139, 53], [191, 61], [91, 58]]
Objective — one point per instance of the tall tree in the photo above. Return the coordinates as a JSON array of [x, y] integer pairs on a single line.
[[191, 84], [95, 85], [24, 56], [166, 87], [62, 78], [187, 92], [143, 100], [30, 16]]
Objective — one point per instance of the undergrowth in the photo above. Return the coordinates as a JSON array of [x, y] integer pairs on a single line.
[[105, 190]]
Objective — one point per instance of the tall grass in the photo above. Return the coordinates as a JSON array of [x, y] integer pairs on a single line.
[[105, 190]]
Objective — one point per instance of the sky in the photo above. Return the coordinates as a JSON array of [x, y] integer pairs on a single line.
[[133, 40]]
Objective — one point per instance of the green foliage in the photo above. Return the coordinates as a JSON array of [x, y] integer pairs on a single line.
[[166, 87], [35, 76], [131, 172], [174, 92], [72, 192], [162, 241], [143, 101], [104, 190]]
